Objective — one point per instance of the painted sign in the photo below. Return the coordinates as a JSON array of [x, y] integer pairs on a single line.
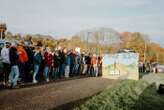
[[121, 66]]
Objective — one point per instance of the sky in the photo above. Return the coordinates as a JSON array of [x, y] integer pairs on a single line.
[[64, 18]]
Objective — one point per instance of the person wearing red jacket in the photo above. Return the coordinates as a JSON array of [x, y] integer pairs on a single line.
[[22, 59], [48, 63]]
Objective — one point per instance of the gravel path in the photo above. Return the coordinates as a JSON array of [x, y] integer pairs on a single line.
[[51, 95]]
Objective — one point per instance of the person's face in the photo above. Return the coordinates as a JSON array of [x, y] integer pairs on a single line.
[[65, 51], [7, 45]]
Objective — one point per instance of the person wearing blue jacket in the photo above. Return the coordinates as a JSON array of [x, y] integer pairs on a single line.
[[37, 59], [67, 64]]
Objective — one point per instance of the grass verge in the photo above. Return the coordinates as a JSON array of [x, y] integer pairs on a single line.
[[126, 95]]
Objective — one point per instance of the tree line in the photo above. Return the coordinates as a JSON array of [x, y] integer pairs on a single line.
[[140, 43]]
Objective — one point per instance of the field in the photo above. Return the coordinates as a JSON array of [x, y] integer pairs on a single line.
[[126, 95]]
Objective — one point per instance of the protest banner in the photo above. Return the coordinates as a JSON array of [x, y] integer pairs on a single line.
[[121, 66]]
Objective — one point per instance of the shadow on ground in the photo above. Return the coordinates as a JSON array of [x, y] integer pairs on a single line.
[[149, 99], [72, 105]]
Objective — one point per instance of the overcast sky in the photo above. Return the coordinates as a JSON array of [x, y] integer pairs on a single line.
[[67, 17]]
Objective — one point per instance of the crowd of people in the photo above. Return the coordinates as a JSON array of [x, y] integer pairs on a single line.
[[26, 62], [147, 67]]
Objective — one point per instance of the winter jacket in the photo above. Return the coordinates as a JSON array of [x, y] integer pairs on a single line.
[[13, 55], [67, 60], [22, 54], [37, 58], [94, 61], [30, 54], [62, 57], [88, 60], [72, 58], [48, 59], [56, 61], [5, 55]]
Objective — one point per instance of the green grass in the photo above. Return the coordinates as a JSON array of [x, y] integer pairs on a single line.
[[126, 95]]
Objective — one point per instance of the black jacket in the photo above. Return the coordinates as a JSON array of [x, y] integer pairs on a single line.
[[30, 54], [88, 60], [13, 56], [62, 57], [56, 61]]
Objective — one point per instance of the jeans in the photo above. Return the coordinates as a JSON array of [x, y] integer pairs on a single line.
[[6, 72], [46, 72], [22, 71], [14, 74], [71, 69], [95, 68], [55, 73], [89, 69], [67, 71], [85, 69], [36, 70], [62, 70], [76, 69]]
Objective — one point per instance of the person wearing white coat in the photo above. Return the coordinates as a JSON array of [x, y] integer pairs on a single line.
[[6, 62]]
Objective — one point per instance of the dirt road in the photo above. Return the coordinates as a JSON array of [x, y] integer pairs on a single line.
[[49, 96]]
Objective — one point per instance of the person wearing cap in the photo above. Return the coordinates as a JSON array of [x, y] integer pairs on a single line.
[[14, 74], [6, 62]]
